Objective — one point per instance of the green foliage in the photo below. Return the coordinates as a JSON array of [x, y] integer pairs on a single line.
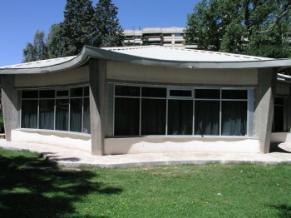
[[106, 30], [254, 27], [36, 50], [82, 25]]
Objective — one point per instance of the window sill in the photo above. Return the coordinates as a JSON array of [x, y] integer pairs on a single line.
[[57, 133], [210, 137]]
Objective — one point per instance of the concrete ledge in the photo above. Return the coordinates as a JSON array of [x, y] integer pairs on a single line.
[[278, 137], [56, 138], [166, 144]]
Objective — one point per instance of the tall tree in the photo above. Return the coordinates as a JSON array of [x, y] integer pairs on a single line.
[[74, 30], [255, 27], [105, 27], [37, 50], [55, 44]]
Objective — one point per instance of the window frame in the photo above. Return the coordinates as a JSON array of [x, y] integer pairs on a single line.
[[55, 89], [249, 100]]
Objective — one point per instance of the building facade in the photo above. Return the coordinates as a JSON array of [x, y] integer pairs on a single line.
[[171, 36], [149, 99]]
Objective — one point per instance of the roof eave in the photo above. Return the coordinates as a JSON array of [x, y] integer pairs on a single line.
[[97, 53]]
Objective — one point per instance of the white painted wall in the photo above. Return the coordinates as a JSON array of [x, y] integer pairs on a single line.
[[79, 141], [138, 73], [164, 144]]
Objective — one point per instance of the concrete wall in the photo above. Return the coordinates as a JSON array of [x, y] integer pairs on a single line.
[[264, 107], [147, 74], [156, 144], [10, 104], [69, 77], [79, 141]]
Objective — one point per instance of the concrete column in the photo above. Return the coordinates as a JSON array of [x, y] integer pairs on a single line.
[[97, 85], [10, 104], [264, 108]]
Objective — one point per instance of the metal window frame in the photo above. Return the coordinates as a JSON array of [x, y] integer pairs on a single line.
[[193, 88], [55, 98]]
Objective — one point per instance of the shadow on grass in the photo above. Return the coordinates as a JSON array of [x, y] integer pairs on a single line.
[[35, 187], [284, 210]]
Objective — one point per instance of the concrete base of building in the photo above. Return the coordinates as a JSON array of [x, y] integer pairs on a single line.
[[166, 144]]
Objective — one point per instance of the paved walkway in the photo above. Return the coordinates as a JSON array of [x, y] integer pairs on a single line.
[[75, 157]]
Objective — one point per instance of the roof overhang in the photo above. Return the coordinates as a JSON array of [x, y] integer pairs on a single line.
[[98, 53]]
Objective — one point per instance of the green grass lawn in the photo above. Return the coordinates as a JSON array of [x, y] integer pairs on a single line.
[[33, 187]]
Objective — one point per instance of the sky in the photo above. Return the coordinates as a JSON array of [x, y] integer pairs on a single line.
[[19, 19]]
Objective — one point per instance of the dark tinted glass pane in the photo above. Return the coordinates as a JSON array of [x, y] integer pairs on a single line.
[[86, 118], [154, 92], [126, 117], [86, 91], [278, 123], [234, 94], [76, 92], [62, 93], [76, 115], [207, 118], [181, 93], [127, 91], [47, 93], [46, 114], [30, 94], [29, 114], [180, 117], [153, 116], [207, 93], [279, 101], [62, 114], [234, 118]]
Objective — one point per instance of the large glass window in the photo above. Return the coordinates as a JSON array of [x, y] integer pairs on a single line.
[[207, 117], [180, 117], [153, 116], [180, 111], [46, 114], [61, 109], [29, 114], [126, 116]]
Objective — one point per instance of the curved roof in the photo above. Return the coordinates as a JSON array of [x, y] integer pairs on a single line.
[[149, 55]]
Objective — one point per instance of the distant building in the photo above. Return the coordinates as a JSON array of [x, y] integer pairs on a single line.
[[170, 36]]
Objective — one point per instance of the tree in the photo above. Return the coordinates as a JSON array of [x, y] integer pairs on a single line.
[[55, 44], [105, 27], [37, 50], [255, 27]]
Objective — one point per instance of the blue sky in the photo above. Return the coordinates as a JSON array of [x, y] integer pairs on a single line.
[[19, 19]]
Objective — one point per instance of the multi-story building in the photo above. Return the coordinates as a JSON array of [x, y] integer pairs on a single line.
[[170, 36]]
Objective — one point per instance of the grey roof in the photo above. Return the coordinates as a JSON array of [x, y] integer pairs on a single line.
[[150, 55]]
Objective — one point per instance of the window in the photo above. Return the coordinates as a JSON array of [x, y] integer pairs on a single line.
[[153, 116], [278, 123], [29, 114], [180, 111], [180, 117], [65, 110], [207, 117], [127, 116]]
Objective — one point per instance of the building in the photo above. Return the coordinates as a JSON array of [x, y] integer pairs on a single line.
[[171, 36], [149, 99]]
